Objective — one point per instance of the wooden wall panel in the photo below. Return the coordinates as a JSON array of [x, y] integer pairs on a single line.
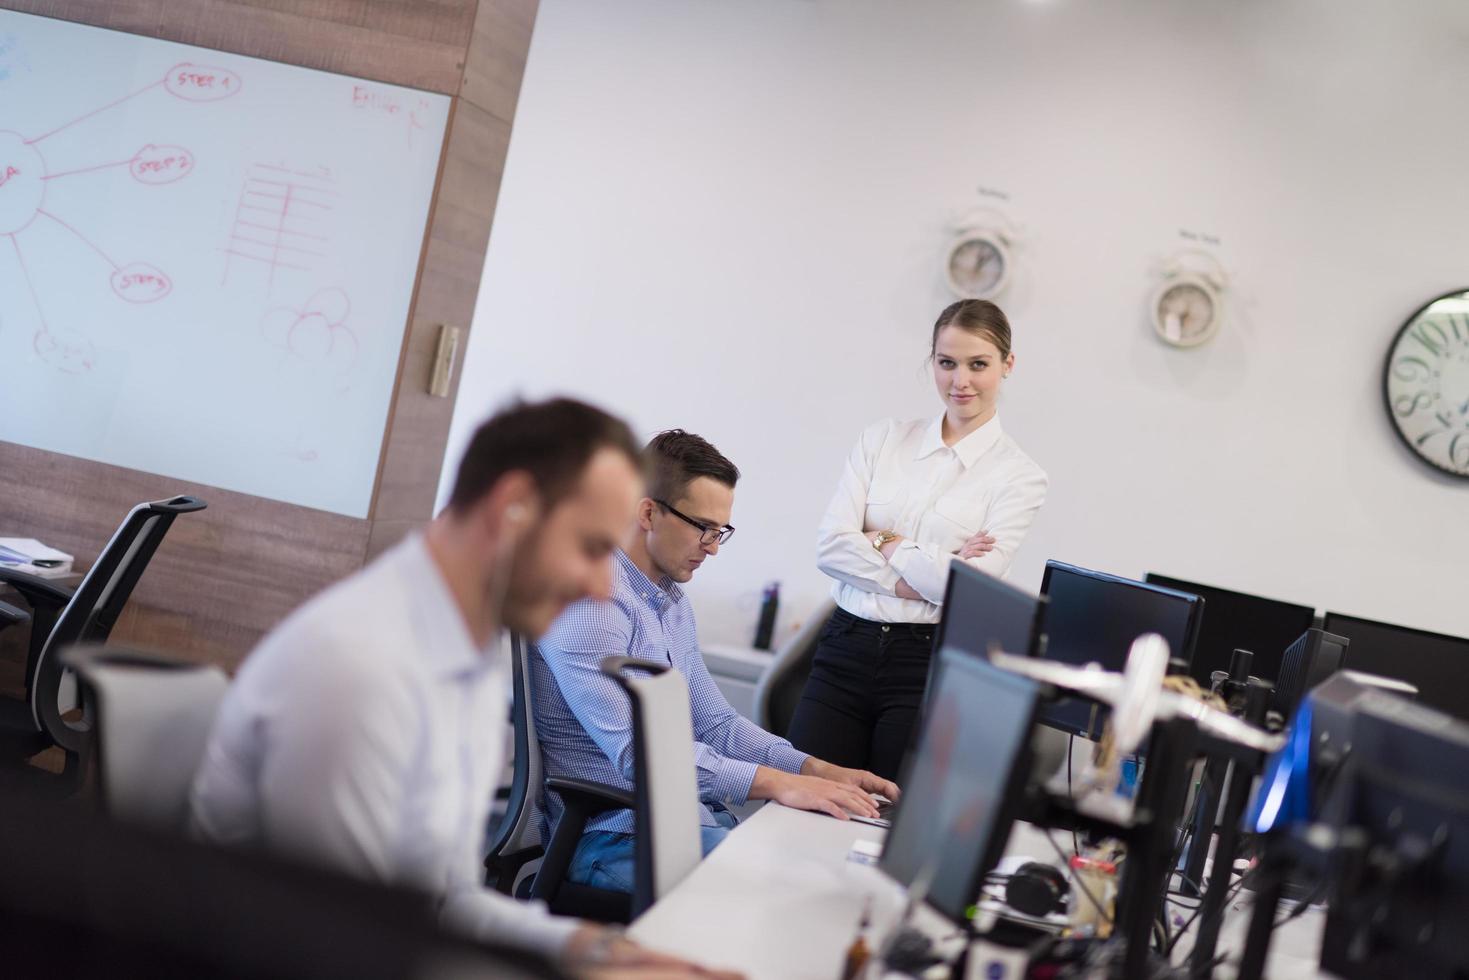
[[469, 186], [453, 261], [221, 577], [497, 53], [421, 44], [226, 575]]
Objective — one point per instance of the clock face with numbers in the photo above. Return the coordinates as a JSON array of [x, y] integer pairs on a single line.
[[1426, 383]]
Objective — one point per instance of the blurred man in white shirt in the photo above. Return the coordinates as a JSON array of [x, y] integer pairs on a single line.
[[364, 732]]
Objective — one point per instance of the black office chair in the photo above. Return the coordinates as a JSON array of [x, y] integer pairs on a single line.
[[516, 841], [780, 687], [62, 616], [12, 616]]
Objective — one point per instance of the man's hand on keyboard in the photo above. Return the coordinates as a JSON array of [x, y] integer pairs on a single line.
[[812, 793], [860, 778]]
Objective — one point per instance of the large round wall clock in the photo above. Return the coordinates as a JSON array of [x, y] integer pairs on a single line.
[[1425, 383]]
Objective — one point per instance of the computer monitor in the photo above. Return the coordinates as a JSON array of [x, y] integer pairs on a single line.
[[1092, 616], [962, 788], [1311, 659], [1406, 785], [981, 611], [1436, 664], [1239, 621]]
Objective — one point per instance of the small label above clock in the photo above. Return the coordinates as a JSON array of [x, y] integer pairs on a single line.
[[1202, 238]]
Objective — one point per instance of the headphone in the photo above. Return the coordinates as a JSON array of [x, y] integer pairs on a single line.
[[1037, 889]]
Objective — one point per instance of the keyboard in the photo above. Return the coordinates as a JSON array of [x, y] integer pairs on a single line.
[[885, 810]]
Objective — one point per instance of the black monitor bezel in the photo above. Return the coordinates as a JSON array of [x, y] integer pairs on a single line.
[[1353, 659], [1098, 714], [958, 570], [1184, 585], [1329, 615]]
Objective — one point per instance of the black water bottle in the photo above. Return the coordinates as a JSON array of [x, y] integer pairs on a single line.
[[765, 629]]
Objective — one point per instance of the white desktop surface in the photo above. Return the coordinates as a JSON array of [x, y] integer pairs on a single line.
[[779, 899]]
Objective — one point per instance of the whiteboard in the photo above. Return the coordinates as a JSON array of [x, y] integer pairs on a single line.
[[206, 260]]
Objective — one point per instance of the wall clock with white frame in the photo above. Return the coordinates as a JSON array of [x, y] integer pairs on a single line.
[[979, 262], [1425, 383], [1186, 307]]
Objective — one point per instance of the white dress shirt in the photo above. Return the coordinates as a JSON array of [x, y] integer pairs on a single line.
[[901, 476], [364, 733]]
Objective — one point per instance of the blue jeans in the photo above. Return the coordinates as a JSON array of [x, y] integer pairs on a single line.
[[605, 860]]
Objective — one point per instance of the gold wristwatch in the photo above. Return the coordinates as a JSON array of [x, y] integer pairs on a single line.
[[883, 537]]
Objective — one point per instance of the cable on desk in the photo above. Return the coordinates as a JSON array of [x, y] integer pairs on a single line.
[[1175, 893], [1160, 929], [1188, 830], [1071, 794], [1223, 906]]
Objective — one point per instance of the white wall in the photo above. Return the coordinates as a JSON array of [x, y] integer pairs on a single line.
[[730, 217]]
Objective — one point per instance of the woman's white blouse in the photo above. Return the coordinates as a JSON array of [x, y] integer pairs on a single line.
[[901, 476]]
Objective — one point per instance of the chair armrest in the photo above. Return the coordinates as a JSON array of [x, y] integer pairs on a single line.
[[582, 799], [39, 592], [594, 797], [12, 616]]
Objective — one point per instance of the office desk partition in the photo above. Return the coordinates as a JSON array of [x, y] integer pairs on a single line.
[[737, 671]]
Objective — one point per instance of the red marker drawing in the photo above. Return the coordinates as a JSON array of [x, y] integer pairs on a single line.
[[199, 83], [23, 181], [161, 164], [139, 282]]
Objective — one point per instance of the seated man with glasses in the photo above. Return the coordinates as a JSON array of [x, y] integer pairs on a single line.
[[584, 722]]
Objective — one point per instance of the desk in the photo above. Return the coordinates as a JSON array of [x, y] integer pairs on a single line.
[[779, 900]]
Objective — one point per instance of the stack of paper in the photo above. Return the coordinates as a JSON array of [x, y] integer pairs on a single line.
[[24, 554]]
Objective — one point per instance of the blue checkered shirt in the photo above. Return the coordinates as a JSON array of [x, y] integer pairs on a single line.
[[584, 721]]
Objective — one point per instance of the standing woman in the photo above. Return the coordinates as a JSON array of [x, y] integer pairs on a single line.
[[913, 497]]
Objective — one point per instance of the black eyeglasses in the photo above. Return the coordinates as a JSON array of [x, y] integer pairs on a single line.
[[708, 533]]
